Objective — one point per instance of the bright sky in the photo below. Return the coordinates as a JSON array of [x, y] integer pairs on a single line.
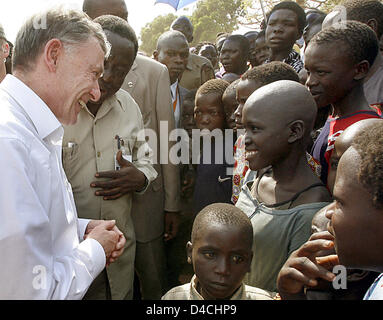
[[15, 12]]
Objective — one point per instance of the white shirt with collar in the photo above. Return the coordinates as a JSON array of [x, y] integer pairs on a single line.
[[43, 254], [176, 95]]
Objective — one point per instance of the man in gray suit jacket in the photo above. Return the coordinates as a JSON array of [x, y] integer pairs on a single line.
[[155, 213]]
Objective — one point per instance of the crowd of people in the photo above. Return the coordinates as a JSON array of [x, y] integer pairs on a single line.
[[285, 186]]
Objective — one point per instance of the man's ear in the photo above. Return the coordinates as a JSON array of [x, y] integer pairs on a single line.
[[297, 130], [5, 50], [52, 50], [155, 55], [361, 69], [189, 250]]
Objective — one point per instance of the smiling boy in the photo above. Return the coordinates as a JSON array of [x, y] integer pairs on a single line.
[[285, 193]]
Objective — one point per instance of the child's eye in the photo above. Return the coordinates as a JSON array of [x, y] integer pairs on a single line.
[[253, 128], [334, 164], [209, 255], [338, 204], [237, 259], [321, 72]]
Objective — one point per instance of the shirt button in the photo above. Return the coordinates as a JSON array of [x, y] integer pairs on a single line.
[[98, 154]]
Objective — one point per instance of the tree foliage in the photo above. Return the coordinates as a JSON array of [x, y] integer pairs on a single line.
[[214, 16], [209, 18], [152, 31]]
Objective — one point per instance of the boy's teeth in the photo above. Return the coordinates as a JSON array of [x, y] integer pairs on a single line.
[[82, 103]]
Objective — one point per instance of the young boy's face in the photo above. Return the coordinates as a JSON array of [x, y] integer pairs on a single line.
[[230, 104], [187, 119], [208, 112], [282, 30], [244, 89], [221, 256], [232, 57], [261, 51], [355, 222], [330, 73]]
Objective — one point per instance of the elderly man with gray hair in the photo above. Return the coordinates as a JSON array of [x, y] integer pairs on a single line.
[[47, 252]]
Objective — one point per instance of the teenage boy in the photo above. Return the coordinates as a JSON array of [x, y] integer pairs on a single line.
[[337, 60], [89, 149], [251, 81], [284, 27], [356, 222], [369, 12], [220, 252], [285, 194]]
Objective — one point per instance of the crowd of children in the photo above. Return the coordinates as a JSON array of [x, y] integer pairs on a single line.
[[287, 144], [289, 178]]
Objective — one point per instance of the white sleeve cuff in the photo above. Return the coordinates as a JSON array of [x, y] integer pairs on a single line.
[[82, 224], [93, 255]]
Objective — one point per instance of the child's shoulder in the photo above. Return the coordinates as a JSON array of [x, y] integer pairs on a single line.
[[181, 292], [253, 293]]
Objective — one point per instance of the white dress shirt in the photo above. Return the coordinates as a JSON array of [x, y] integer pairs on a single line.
[[43, 254]]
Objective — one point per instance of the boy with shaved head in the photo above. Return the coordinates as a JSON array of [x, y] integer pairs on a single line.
[[285, 194], [220, 252]]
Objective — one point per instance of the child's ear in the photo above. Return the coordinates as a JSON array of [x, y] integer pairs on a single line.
[[297, 130], [189, 250], [373, 24], [362, 69]]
